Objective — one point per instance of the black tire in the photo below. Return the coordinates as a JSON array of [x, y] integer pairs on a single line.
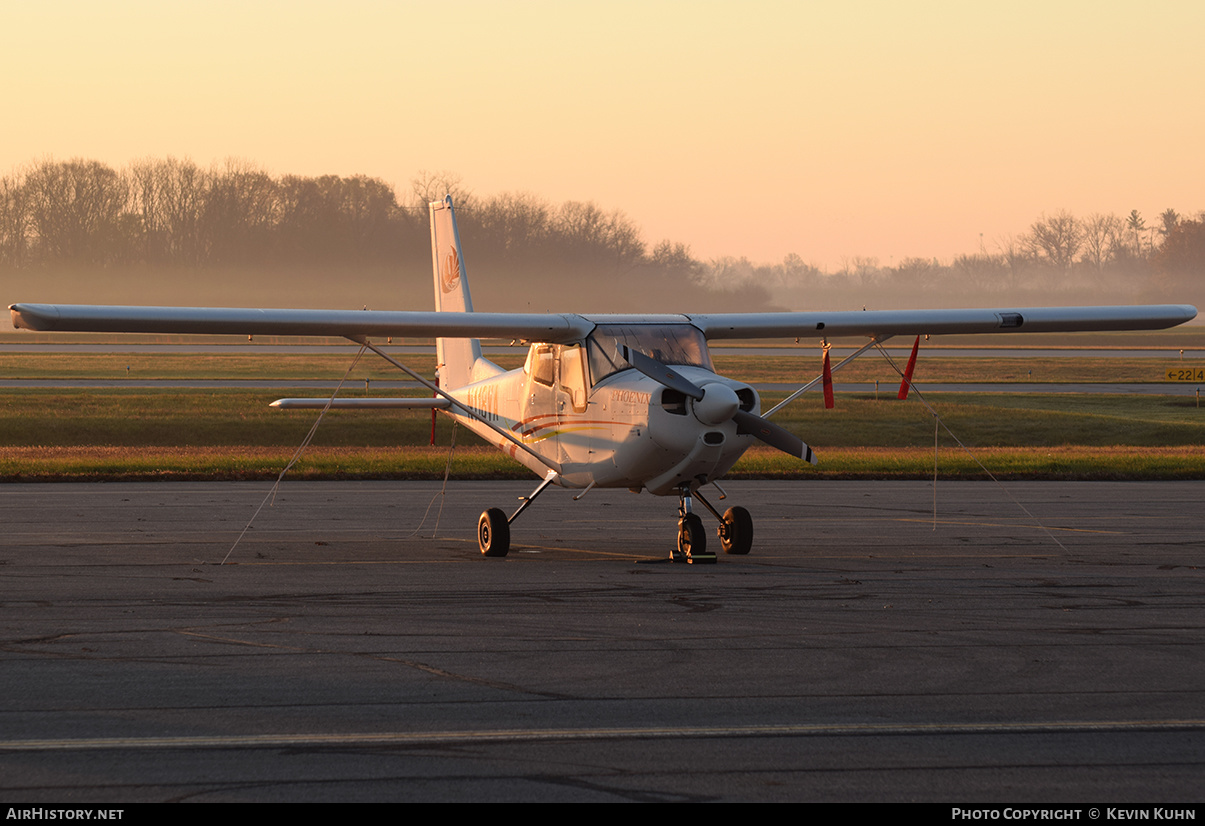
[[493, 533], [692, 539], [737, 535]]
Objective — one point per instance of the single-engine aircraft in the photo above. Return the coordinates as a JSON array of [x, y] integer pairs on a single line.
[[615, 401]]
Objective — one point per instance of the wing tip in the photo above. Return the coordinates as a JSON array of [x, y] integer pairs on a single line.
[[39, 317]]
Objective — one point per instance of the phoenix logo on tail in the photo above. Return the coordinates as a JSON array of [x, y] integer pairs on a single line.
[[451, 272]]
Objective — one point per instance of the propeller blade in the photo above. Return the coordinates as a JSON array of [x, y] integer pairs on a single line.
[[773, 435], [659, 372]]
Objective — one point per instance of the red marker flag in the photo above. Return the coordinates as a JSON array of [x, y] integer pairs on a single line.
[[906, 384], [828, 383]]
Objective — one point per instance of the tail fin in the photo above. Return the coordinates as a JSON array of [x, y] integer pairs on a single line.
[[455, 357]]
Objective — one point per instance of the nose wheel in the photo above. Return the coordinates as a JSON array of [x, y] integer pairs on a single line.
[[692, 539], [735, 531]]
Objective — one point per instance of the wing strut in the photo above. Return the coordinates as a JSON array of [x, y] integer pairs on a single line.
[[820, 378], [462, 408]]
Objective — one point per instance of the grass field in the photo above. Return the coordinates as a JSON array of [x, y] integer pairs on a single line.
[[125, 434], [196, 434], [784, 369], [229, 434]]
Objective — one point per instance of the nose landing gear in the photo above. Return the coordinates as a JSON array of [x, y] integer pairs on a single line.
[[735, 531], [692, 539]]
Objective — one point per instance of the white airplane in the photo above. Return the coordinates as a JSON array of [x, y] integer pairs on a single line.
[[616, 401]]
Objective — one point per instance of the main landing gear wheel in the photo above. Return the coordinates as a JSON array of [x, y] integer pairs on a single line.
[[736, 531], [692, 541], [493, 533]]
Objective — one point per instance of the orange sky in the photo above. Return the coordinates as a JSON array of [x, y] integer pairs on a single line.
[[831, 130]]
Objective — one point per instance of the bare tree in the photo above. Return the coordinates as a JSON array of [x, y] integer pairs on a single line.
[[1057, 239], [183, 192], [981, 270], [919, 273], [1103, 236], [673, 256], [14, 221], [433, 186], [332, 217], [1015, 253], [238, 214], [76, 210], [585, 230], [866, 270], [514, 223]]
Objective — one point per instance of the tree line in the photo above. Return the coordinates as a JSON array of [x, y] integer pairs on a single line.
[[1060, 258], [170, 215], [175, 212]]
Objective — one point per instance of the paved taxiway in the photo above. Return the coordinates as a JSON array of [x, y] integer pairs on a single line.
[[857, 654]]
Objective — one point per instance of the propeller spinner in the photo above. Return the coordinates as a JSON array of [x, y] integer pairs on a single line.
[[717, 403]]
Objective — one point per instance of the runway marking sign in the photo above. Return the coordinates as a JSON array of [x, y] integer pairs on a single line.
[[1186, 374]]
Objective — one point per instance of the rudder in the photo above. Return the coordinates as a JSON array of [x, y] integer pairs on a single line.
[[455, 357]]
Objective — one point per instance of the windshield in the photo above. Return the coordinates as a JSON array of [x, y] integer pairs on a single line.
[[668, 343]]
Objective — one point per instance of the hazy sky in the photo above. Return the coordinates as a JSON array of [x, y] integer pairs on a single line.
[[755, 128]]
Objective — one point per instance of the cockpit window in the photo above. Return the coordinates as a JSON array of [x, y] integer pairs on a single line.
[[542, 364], [668, 343]]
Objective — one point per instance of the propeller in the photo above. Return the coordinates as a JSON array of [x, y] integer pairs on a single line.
[[659, 372], [718, 403], [773, 435]]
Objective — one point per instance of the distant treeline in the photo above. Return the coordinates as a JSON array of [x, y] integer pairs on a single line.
[[183, 222], [1060, 259]]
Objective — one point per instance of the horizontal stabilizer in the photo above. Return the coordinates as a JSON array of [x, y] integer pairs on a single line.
[[362, 404]]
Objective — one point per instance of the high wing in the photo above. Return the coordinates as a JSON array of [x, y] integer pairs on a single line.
[[353, 324], [883, 323], [566, 328]]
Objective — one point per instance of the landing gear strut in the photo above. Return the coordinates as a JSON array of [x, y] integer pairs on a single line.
[[736, 527], [493, 528], [692, 539]]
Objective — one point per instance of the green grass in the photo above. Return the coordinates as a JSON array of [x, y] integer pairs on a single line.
[[1001, 420], [213, 366], [121, 434], [787, 368], [205, 418], [871, 368], [194, 418], [153, 464], [250, 463]]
